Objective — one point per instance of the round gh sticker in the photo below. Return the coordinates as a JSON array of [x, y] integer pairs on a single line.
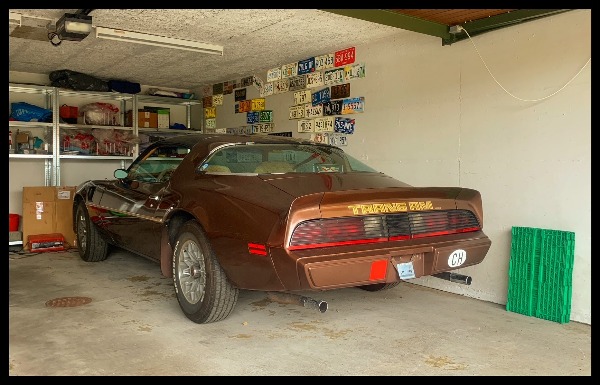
[[457, 258]]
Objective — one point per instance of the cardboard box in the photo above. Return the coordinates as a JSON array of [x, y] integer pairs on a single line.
[[49, 209], [146, 119]]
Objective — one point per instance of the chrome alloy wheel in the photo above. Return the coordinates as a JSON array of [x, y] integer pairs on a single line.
[[191, 272]]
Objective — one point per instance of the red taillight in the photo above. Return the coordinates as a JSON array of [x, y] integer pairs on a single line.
[[257, 249], [378, 270]]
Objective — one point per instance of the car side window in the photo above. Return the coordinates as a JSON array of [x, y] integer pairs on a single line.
[[158, 165]]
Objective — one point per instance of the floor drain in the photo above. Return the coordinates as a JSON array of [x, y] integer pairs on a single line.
[[68, 301]]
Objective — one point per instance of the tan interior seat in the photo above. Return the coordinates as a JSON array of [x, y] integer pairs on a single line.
[[273, 167], [217, 168]]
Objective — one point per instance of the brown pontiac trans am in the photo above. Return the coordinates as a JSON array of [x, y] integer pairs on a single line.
[[258, 212]]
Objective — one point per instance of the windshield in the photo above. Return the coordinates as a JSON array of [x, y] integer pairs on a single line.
[[251, 158]]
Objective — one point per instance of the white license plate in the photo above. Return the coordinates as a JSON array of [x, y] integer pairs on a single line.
[[289, 70], [313, 111], [305, 125], [302, 97], [274, 74], [406, 270], [314, 79], [297, 112]]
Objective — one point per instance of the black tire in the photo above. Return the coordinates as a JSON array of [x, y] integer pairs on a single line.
[[379, 286], [203, 291], [91, 246]]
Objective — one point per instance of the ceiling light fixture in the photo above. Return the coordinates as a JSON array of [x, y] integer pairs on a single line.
[[73, 26], [14, 19], [159, 41]]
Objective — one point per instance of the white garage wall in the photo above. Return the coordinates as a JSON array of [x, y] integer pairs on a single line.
[[434, 116]]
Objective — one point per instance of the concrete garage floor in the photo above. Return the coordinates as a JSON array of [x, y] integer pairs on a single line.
[[133, 326]]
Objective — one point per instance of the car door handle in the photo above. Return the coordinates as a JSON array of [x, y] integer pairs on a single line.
[[154, 197]]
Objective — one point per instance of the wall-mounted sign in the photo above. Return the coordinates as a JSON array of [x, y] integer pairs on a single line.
[[313, 111], [289, 70], [297, 83], [297, 112], [344, 125], [217, 88], [285, 133], [247, 81], [258, 104], [324, 124], [353, 105], [332, 107], [345, 56], [210, 123], [338, 139], [252, 117], [239, 94], [281, 86], [305, 66], [217, 100], [314, 79], [266, 90], [334, 76], [302, 97], [245, 106], [340, 91], [207, 101], [265, 116], [210, 112], [354, 71], [324, 62], [321, 96], [305, 125], [273, 74]]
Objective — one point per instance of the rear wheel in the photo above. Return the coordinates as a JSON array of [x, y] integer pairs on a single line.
[[379, 286], [91, 246], [203, 290]]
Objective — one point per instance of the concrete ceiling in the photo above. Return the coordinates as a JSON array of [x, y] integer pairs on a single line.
[[253, 40]]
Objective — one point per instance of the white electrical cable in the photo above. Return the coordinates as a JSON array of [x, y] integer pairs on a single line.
[[505, 90]]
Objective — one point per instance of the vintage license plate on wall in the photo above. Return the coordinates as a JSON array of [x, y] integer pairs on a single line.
[[217, 88], [217, 100], [266, 90], [265, 116], [245, 106], [210, 123], [319, 137], [247, 81], [281, 86], [297, 112], [345, 56], [302, 97], [337, 139], [305, 125], [207, 101], [305, 66], [258, 104], [313, 111], [207, 90], [258, 82], [321, 96], [332, 107], [289, 70], [240, 95], [324, 62], [354, 71], [314, 79], [264, 128], [297, 82], [220, 130], [340, 91], [324, 124], [210, 112], [353, 105], [273, 74], [334, 76], [228, 87], [344, 125], [252, 117]]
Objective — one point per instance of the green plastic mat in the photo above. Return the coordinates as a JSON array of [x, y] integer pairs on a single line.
[[540, 273]]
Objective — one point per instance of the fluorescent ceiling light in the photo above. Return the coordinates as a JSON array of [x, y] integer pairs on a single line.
[[14, 19], [73, 27], [159, 41]]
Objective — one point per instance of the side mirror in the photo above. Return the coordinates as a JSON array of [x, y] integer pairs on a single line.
[[120, 174]]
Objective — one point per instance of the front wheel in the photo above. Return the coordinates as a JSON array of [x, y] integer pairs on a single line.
[[203, 290], [91, 246]]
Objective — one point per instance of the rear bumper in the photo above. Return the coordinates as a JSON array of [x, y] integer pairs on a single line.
[[369, 266]]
